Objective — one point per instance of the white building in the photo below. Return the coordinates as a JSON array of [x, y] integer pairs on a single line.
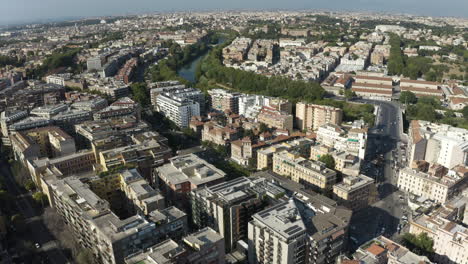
[[438, 143], [178, 110], [353, 140], [439, 188]]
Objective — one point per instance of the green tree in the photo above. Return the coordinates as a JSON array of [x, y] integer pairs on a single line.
[[421, 244], [426, 112], [29, 185], [140, 94], [408, 97], [328, 160], [349, 94], [465, 112], [40, 198]]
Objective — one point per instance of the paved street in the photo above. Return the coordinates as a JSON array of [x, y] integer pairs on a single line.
[[384, 216], [38, 233]]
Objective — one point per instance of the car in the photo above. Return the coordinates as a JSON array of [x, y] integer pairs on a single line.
[[404, 218], [37, 245]]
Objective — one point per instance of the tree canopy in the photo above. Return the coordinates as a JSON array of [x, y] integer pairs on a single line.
[[408, 97], [328, 160]]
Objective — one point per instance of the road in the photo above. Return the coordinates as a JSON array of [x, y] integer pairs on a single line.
[[383, 217], [38, 232]]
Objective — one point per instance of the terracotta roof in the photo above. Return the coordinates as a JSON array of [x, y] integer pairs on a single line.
[[373, 78], [418, 81], [350, 262], [376, 91], [416, 135], [458, 91], [458, 100], [375, 249], [372, 85]]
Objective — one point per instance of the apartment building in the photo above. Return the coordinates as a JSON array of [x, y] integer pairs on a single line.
[[89, 131], [184, 174], [177, 109], [139, 193], [355, 192], [265, 154], [113, 89], [218, 134], [163, 87], [384, 250], [312, 174], [42, 142], [144, 155], [92, 105], [275, 119], [311, 117], [224, 100], [178, 90], [450, 239], [76, 163], [303, 229], [202, 247], [98, 229], [352, 140], [237, 50], [49, 110], [227, 207], [250, 105], [67, 120], [8, 117], [120, 108], [437, 143], [437, 184], [345, 162]]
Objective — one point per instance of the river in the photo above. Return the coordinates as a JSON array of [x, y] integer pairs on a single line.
[[188, 71]]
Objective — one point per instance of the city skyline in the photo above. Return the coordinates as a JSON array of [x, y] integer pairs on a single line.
[[27, 11]]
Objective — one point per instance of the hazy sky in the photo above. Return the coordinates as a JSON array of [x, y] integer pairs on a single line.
[[13, 11]]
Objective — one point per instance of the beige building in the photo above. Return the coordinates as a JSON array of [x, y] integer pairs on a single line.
[[147, 153], [384, 250], [97, 228], [296, 231], [311, 117], [433, 185], [275, 119], [224, 100], [202, 247], [355, 192], [184, 174], [450, 238], [217, 134], [79, 162], [345, 162], [42, 142], [312, 174]]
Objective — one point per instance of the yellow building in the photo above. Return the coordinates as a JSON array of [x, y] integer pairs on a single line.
[[312, 174]]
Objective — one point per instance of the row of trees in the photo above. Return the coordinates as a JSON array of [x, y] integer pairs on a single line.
[[8, 60], [248, 82], [424, 108], [64, 57], [412, 67]]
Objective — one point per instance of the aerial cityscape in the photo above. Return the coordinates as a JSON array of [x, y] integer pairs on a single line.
[[256, 136]]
